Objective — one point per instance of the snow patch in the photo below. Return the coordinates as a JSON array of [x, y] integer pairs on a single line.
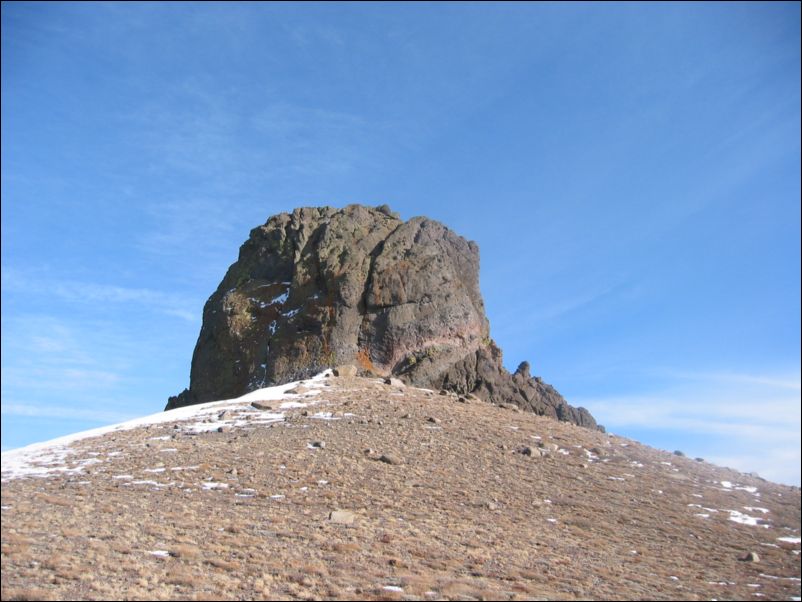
[[49, 457], [213, 485], [745, 519]]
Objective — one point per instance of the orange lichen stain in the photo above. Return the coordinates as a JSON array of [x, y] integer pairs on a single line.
[[363, 359]]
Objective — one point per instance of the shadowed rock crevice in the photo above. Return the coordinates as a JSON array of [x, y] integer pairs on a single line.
[[321, 287]]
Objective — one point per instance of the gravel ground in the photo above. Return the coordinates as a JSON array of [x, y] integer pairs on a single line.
[[363, 490]]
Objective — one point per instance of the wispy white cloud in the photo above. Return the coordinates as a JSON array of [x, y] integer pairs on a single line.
[[46, 356], [64, 412], [91, 293], [748, 421], [790, 382], [196, 234]]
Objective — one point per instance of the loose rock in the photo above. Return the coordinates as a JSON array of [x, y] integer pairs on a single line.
[[345, 371], [342, 517]]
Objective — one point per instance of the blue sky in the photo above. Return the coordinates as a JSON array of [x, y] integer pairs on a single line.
[[631, 173]]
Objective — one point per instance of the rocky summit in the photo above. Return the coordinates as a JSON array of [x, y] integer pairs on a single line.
[[320, 287], [351, 488]]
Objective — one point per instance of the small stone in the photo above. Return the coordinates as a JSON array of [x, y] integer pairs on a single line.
[[491, 506], [261, 405], [305, 413], [433, 420], [319, 444], [224, 414], [223, 429], [345, 371], [471, 397], [750, 557], [394, 382], [299, 390], [462, 399], [443, 392], [342, 517], [390, 459]]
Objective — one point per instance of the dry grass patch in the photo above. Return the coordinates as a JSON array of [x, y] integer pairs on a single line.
[[24, 593], [345, 547], [226, 565], [182, 577], [184, 551]]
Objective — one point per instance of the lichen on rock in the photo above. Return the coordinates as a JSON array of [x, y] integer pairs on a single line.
[[320, 287]]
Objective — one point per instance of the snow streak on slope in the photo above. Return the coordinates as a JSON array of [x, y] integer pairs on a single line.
[[42, 459]]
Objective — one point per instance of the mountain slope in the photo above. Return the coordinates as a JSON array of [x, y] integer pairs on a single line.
[[350, 488]]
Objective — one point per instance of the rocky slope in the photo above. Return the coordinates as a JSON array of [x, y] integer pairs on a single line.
[[323, 286], [350, 488]]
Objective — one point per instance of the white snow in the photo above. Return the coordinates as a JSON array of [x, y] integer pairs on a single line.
[[790, 539], [212, 485], [159, 553], [48, 457], [393, 588], [775, 577], [726, 484], [745, 519], [327, 416], [281, 299], [702, 507]]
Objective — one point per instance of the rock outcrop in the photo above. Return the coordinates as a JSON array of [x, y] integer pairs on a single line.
[[322, 287]]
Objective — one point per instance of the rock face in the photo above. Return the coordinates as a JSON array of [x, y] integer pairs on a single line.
[[322, 287]]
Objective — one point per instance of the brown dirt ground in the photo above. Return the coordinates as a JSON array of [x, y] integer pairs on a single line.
[[460, 514]]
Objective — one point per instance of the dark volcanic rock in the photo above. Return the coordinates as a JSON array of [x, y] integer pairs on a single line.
[[321, 287]]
